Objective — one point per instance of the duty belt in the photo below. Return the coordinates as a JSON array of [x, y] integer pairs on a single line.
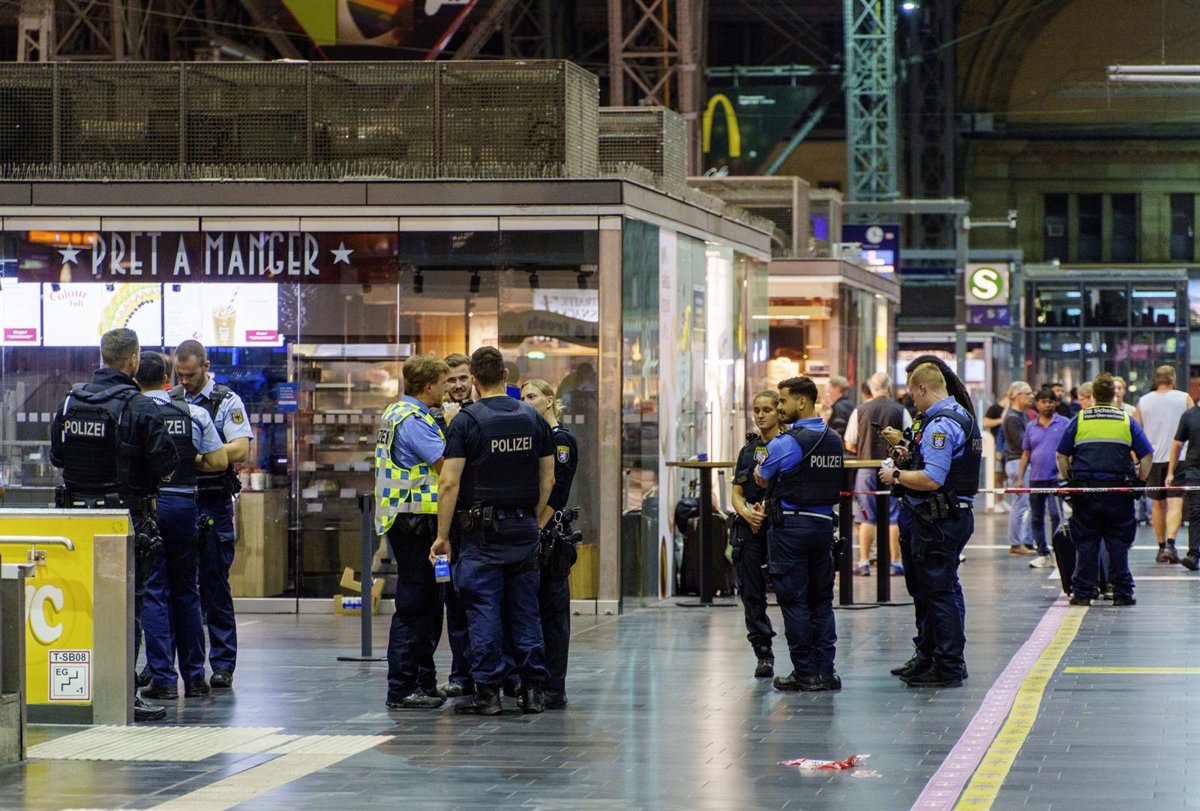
[[488, 518], [65, 499], [807, 513]]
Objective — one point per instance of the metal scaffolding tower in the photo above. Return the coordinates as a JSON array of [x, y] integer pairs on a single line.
[[929, 147], [871, 130], [654, 52]]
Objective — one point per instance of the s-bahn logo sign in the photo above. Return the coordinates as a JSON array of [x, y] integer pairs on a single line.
[[987, 284], [154, 256]]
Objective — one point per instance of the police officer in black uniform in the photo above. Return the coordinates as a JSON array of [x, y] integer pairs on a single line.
[[114, 452], [495, 481], [937, 483], [802, 475], [558, 544], [748, 535]]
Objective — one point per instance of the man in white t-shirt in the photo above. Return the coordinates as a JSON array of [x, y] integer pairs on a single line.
[[1159, 412]]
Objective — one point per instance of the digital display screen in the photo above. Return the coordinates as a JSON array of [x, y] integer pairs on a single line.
[[78, 314]]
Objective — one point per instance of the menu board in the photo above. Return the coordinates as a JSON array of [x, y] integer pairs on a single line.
[[222, 314], [20, 313], [78, 314]]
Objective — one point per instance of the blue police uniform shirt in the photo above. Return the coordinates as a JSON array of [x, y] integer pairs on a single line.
[[784, 454], [415, 440], [232, 419], [205, 438], [941, 444], [1141, 443]]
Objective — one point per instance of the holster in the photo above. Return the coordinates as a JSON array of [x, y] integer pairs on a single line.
[[469, 520], [774, 511], [204, 532]]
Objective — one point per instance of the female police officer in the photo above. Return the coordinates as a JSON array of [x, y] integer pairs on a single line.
[[748, 536], [554, 593]]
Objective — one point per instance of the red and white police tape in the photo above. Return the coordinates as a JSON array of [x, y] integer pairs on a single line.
[[1052, 491]]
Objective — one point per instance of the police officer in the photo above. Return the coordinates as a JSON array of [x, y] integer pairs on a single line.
[[458, 395], [408, 457], [937, 489], [748, 535], [171, 616], [1095, 451], [498, 472], [114, 451], [802, 475], [558, 544], [216, 504]]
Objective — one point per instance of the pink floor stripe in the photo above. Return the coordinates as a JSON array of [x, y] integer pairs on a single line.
[[948, 782]]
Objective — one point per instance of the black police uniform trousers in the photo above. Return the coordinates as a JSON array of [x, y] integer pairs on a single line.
[[934, 585], [801, 567], [750, 577], [498, 577], [148, 540], [417, 623], [554, 603], [456, 631], [1108, 519]]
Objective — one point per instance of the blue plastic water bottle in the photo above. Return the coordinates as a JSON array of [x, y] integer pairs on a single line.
[[441, 569]]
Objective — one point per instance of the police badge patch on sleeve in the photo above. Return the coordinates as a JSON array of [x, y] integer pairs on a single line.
[[938, 441], [760, 455], [564, 453], [237, 416]]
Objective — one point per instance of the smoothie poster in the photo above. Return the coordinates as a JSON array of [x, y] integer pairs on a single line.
[[222, 314]]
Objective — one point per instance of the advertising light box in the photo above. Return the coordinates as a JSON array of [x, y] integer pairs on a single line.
[[222, 314], [20, 313], [78, 314]]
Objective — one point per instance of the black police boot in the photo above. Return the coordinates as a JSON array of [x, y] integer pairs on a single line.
[[765, 668], [512, 687], [416, 700], [161, 691], [1190, 561], [221, 680], [143, 677], [933, 678], [556, 701], [457, 689], [143, 711], [1080, 600], [485, 701], [913, 666], [198, 687], [821, 682], [532, 700], [1124, 601], [790, 683]]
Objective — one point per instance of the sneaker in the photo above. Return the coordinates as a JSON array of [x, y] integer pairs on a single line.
[[1041, 562], [1021, 551], [765, 668], [417, 701], [1161, 557], [897, 570], [862, 570], [1171, 554], [1190, 561], [1124, 601], [160, 691], [142, 711]]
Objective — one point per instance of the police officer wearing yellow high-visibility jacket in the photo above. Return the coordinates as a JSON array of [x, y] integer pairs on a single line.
[[408, 459], [1097, 450]]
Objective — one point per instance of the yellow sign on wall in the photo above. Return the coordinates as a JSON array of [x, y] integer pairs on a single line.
[[59, 603]]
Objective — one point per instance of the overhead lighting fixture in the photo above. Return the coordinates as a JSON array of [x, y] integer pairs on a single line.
[[474, 288], [418, 283], [909, 5], [534, 282], [1154, 74]]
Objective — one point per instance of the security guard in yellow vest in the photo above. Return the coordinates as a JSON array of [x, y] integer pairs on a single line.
[[408, 459], [1097, 450]]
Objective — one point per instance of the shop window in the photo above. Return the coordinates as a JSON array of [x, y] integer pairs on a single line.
[[1183, 227], [1108, 307], [1055, 227], [1154, 308], [1058, 307], [1090, 216], [1124, 227]]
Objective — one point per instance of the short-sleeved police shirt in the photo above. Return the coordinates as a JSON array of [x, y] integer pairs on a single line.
[[942, 441], [415, 440], [232, 419]]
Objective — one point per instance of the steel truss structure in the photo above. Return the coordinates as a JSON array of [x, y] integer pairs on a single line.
[[872, 137]]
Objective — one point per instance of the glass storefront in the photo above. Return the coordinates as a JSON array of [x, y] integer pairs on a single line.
[[1124, 324]]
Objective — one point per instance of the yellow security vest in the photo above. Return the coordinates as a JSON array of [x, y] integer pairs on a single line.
[[1103, 440], [399, 490]]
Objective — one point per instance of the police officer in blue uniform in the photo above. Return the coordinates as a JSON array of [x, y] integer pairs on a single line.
[[114, 452], [937, 487], [217, 490], [748, 535], [1097, 450], [558, 544], [171, 616], [496, 479], [802, 475], [408, 458]]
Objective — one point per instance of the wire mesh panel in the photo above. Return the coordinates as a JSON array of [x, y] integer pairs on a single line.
[[651, 137], [26, 116], [118, 113], [246, 113], [376, 112]]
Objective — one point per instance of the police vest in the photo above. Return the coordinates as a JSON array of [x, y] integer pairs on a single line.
[[505, 470], [225, 483], [1103, 441], [177, 418], [97, 460], [963, 476], [751, 456], [401, 490], [817, 480]]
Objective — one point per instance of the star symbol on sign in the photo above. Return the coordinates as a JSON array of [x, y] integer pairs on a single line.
[[342, 253], [70, 254]]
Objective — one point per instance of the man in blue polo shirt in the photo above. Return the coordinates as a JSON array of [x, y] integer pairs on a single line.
[[1095, 451], [803, 477], [1038, 456]]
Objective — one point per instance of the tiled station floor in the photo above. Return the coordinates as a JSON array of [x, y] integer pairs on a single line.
[[665, 713]]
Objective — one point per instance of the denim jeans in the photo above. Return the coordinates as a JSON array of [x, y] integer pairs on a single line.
[[1019, 533], [1037, 514]]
